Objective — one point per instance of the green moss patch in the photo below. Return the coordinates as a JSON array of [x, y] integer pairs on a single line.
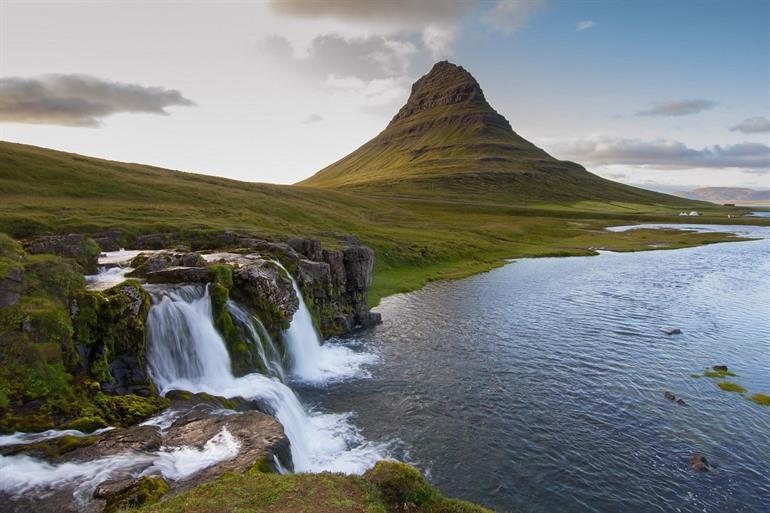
[[729, 386], [763, 399], [146, 491], [719, 374]]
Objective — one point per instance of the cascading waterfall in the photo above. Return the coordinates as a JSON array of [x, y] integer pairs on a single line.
[[185, 351], [311, 361], [260, 338]]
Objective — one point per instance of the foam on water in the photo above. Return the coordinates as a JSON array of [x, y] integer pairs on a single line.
[[181, 462]]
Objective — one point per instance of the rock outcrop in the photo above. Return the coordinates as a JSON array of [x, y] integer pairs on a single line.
[[75, 246]]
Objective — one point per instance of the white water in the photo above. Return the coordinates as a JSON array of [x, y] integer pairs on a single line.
[[186, 352], [22, 474], [180, 462], [28, 438], [315, 363]]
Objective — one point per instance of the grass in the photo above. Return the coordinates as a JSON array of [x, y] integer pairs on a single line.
[[387, 488], [415, 240]]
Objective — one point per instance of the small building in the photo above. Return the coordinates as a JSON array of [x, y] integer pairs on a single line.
[[694, 214], [683, 214]]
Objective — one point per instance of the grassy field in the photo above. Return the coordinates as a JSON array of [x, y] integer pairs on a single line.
[[415, 239]]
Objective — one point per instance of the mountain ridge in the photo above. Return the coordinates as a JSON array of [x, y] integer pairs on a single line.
[[736, 195], [448, 141]]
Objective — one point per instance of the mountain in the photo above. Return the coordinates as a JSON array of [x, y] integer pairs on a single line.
[[735, 195], [447, 141]]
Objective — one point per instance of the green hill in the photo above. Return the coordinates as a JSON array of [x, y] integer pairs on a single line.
[[416, 240], [447, 141]]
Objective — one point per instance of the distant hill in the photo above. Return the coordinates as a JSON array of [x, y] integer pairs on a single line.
[[447, 141], [722, 195]]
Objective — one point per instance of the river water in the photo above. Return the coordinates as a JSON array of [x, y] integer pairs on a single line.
[[539, 386]]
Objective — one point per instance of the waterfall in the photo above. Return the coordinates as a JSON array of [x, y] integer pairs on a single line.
[[260, 338], [186, 351], [309, 360]]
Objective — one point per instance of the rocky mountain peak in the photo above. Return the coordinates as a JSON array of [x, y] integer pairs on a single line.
[[445, 84]]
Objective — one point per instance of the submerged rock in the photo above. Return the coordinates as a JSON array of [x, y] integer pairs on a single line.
[[699, 463], [720, 368], [671, 331], [668, 395]]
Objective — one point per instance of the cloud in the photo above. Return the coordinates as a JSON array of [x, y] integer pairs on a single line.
[[585, 25], [677, 108], [510, 15], [403, 12], [79, 100], [756, 125], [313, 118], [664, 153], [365, 57], [439, 39], [370, 95]]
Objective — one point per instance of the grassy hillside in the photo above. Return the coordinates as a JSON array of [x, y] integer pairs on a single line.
[[416, 240]]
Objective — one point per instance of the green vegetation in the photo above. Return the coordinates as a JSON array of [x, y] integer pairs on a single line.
[[763, 399], [389, 487], [416, 240], [719, 374], [728, 386], [147, 490]]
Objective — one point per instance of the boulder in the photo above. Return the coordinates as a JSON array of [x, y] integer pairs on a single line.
[[116, 441], [720, 368], [153, 241], [260, 436], [699, 463], [181, 275], [110, 240]]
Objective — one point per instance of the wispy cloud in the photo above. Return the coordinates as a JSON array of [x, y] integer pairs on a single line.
[[585, 25], [510, 15], [677, 108], [756, 125], [79, 100], [664, 153]]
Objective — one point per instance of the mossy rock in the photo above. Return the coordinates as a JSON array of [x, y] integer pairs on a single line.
[[401, 484], [762, 399], [87, 424], [144, 492], [126, 410]]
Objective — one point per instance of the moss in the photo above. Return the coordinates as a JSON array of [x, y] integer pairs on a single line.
[[401, 484], [87, 424], [55, 447], [146, 491], [125, 410], [223, 275], [728, 386], [242, 355], [719, 374], [763, 399], [696, 376], [263, 465]]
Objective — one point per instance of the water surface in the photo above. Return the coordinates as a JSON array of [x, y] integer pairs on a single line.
[[538, 387]]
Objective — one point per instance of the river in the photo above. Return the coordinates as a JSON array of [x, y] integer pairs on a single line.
[[539, 386]]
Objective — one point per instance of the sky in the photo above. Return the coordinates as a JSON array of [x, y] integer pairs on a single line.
[[669, 95]]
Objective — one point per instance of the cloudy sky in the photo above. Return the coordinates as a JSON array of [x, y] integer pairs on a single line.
[[668, 95]]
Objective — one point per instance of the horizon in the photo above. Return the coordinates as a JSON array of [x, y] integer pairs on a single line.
[[577, 79]]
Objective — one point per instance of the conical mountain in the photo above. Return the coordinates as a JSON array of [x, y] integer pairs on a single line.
[[447, 141]]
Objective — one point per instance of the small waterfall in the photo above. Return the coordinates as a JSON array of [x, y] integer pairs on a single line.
[[185, 351], [179, 328], [309, 360], [260, 338]]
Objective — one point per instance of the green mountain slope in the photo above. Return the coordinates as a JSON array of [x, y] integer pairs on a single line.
[[447, 141]]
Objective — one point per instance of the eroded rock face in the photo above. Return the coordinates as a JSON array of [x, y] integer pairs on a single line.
[[10, 288], [264, 286], [180, 275], [75, 246]]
